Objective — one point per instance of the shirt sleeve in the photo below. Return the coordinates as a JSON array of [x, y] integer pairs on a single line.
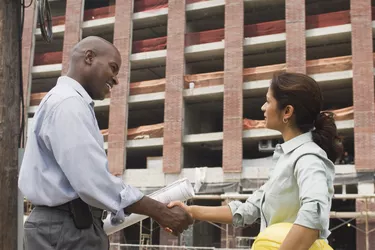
[[70, 133], [246, 213], [315, 183]]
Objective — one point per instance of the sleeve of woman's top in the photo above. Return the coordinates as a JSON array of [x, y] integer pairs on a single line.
[[246, 213], [315, 183]]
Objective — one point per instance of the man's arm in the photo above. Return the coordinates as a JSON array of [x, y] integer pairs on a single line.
[[70, 133]]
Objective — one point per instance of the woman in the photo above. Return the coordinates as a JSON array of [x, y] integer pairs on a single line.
[[300, 187]]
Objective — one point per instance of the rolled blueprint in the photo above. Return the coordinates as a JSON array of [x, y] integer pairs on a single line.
[[180, 190]]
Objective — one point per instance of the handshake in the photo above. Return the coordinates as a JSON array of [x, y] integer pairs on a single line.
[[175, 218]]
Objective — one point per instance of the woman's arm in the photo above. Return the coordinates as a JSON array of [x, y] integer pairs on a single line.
[[236, 213], [218, 214], [299, 238], [314, 178]]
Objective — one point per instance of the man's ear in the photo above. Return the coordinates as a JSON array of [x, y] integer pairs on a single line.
[[89, 56], [288, 111]]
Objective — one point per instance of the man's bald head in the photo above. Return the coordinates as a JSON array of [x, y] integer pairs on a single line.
[[96, 44], [95, 63]]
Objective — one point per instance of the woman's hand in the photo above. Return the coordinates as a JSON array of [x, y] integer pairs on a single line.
[[183, 206]]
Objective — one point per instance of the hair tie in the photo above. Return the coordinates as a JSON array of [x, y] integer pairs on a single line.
[[321, 117]]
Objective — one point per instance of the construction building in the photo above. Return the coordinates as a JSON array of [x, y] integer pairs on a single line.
[[193, 79]]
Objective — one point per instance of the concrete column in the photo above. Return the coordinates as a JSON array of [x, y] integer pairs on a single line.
[[73, 30], [363, 85], [295, 35], [118, 111], [233, 85], [174, 101]]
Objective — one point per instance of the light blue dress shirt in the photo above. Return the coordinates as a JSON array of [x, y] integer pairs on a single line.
[[299, 190], [65, 159]]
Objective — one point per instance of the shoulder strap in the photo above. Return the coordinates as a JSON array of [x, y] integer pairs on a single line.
[[299, 152]]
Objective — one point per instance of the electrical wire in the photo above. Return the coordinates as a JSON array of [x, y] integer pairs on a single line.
[[31, 2], [21, 136], [46, 30], [45, 20]]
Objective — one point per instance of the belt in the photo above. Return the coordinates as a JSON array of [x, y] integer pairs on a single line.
[[96, 212]]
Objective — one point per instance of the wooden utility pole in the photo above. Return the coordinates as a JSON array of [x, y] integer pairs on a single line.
[[9, 120]]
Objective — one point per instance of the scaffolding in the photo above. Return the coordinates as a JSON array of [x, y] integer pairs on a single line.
[[145, 238]]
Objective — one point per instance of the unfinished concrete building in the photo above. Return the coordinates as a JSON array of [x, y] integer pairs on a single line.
[[194, 76]]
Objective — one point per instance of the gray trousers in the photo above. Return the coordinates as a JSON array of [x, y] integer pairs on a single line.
[[52, 229]]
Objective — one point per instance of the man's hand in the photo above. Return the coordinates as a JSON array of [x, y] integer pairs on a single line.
[[176, 219]]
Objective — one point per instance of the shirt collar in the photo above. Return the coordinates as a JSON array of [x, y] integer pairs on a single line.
[[77, 87], [294, 143]]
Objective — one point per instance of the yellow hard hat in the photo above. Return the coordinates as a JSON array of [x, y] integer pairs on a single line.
[[273, 236]]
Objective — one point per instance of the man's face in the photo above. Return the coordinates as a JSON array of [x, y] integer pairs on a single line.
[[104, 70]]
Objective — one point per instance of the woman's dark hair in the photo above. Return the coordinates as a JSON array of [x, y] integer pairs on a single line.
[[304, 94]]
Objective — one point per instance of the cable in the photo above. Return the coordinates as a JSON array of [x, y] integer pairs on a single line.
[[22, 126], [46, 30], [45, 20], [21, 136], [31, 2]]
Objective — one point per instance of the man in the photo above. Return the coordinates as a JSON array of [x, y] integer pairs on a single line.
[[64, 172]]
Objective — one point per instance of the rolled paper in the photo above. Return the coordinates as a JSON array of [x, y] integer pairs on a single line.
[[180, 190]]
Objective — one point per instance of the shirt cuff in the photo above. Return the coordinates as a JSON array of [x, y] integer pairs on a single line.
[[129, 195], [310, 215], [235, 207]]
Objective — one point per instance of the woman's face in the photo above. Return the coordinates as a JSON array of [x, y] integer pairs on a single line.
[[272, 115]]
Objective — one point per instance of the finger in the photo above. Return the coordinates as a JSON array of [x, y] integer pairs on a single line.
[[175, 231], [181, 228], [168, 230], [176, 228], [173, 203]]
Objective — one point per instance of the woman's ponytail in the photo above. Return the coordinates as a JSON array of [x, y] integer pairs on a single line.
[[325, 135]]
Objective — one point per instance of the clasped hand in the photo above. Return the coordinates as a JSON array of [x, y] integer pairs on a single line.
[[175, 219]]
